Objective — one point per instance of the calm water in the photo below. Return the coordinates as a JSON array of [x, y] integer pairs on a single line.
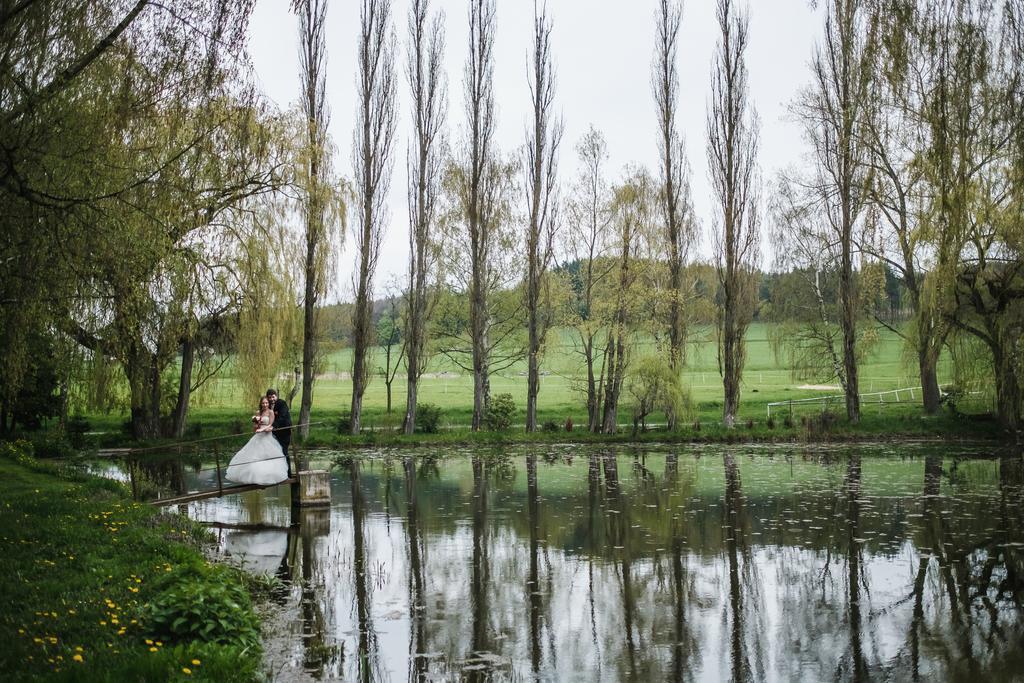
[[699, 563]]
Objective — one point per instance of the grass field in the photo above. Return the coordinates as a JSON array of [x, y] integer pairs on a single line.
[[91, 580], [766, 379]]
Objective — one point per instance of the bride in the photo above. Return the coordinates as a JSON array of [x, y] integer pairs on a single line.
[[261, 460]]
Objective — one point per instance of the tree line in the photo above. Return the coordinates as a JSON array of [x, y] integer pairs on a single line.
[[148, 189]]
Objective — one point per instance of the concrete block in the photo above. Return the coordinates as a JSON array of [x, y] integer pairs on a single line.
[[314, 488]]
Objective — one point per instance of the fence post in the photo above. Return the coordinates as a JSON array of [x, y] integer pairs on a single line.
[[131, 476], [220, 483]]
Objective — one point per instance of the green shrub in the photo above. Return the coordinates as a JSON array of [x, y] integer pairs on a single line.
[[428, 418], [206, 604], [76, 428], [19, 451], [498, 416], [344, 424], [550, 426], [51, 445]]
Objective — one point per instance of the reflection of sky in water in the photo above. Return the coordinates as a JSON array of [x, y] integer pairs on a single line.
[[768, 563]]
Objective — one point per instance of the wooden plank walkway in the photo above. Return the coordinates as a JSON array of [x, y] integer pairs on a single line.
[[215, 493]]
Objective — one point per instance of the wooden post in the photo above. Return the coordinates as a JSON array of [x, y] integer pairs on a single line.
[[131, 476], [220, 482]]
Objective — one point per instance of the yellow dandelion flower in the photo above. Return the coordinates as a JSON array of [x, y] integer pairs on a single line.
[[77, 658], [153, 649], [187, 671], [195, 662], [78, 648], [148, 641], [159, 644]]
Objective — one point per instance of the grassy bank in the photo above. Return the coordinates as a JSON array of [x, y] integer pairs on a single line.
[[97, 588], [214, 429]]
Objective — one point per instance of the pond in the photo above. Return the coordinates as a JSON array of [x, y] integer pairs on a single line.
[[644, 563]]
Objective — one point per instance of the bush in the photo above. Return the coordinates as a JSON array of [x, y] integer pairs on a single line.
[[19, 451], [344, 424], [428, 418], [550, 426], [770, 423], [76, 428], [498, 416], [51, 445], [206, 604]]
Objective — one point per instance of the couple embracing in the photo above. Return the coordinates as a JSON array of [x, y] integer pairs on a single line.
[[264, 459]]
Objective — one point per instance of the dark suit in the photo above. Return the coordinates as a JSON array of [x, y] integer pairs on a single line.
[[283, 419]]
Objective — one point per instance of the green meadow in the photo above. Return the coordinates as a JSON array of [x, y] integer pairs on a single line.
[[767, 378]]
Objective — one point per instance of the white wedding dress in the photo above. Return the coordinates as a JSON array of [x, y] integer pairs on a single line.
[[261, 460]]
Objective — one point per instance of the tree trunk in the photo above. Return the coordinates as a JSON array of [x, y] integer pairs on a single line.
[[533, 375], [849, 324], [360, 344], [1008, 390], [144, 388], [481, 379], [180, 414], [593, 400], [731, 354], [308, 348], [928, 360], [409, 423], [613, 386]]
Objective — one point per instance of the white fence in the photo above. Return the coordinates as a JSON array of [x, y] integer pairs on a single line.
[[909, 394]]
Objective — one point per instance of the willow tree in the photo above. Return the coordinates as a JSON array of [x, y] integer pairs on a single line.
[[372, 146], [428, 85], [674, 191], [76, 153], [269, 324], [316, 188], [831, 113], [974, 163], [896, 134], [588, 246], [732, 158], [540, 162], [632, 210]]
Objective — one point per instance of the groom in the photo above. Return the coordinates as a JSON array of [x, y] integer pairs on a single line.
[[282, 424]]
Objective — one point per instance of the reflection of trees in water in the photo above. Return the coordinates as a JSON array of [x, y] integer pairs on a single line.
[[853, 565], [593, 519], [369, 664], [686, 656], [417, 600], [153, 476], [745, 602], [634, 581], [534, 591], [479, 580]]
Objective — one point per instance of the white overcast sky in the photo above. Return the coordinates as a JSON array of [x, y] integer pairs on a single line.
[[603, 51]]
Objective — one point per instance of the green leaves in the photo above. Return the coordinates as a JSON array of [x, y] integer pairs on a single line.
[[208, 604]]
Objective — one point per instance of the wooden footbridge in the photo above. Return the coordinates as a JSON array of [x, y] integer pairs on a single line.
[[308, 488]]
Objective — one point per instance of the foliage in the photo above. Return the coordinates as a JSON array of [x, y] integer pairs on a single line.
[[428, 418], [344, 423], [199, 602], [499, 413], [75, 547], [653, 385], [76, 428], [19, 451]]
